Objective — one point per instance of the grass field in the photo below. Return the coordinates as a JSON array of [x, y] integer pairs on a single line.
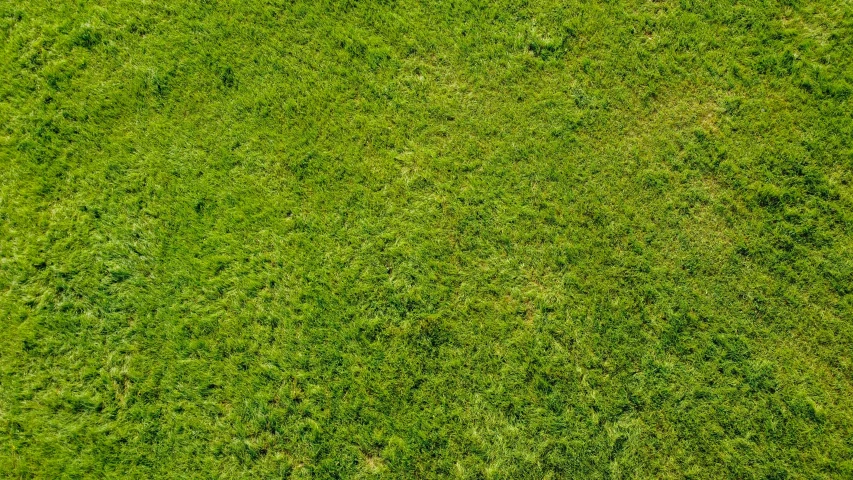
[[401, 239]]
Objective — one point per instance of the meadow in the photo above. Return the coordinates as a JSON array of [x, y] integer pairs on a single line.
[[426, 239]]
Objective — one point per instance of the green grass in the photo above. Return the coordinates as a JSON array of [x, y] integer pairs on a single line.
[[405, 239]]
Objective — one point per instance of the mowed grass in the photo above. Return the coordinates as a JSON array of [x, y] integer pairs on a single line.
[[407, 239]]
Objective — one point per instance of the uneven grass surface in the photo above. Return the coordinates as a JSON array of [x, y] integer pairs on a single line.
[[406, 239]]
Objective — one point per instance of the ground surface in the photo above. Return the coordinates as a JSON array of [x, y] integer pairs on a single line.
[[426, 239]]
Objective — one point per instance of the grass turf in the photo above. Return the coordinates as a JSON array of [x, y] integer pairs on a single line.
[[426, 239]]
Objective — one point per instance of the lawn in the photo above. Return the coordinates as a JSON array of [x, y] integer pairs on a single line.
[[426, 239]]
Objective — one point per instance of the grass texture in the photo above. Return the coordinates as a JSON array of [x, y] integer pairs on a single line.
[[426, 239]]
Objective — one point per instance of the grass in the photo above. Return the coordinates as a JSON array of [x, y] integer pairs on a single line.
[[405, 239]]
